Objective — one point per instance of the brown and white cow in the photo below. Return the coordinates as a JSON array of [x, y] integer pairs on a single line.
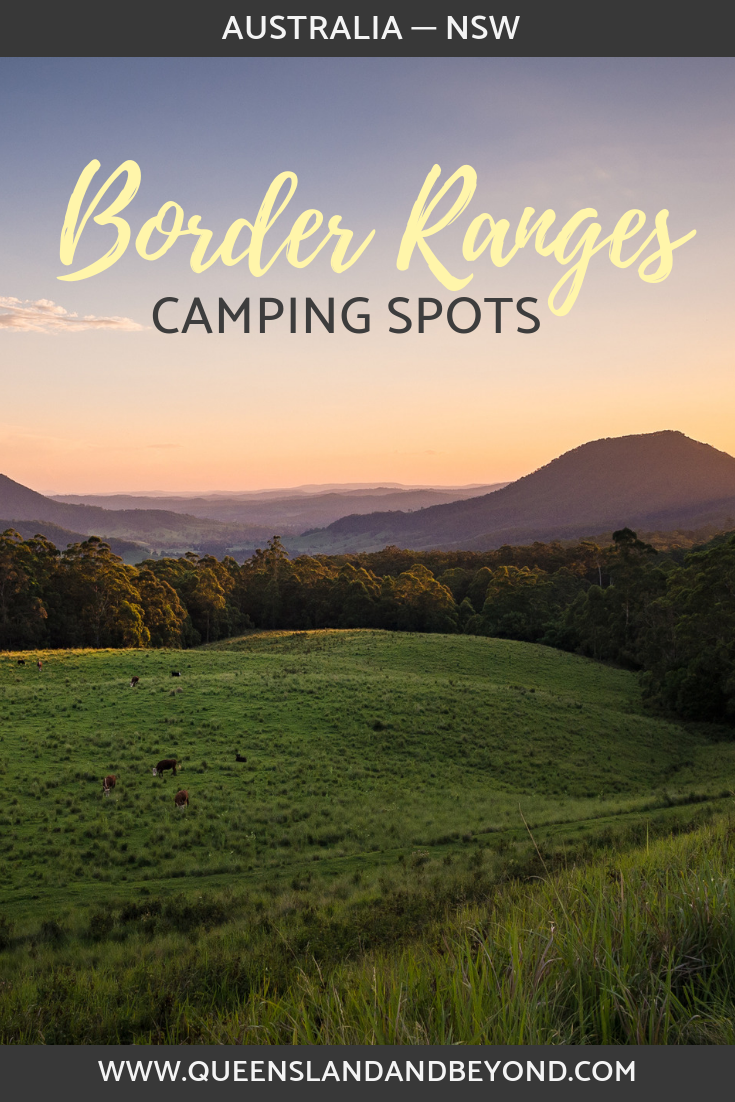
[[165, 763], [108, 784], [134, 681], [181, 799]]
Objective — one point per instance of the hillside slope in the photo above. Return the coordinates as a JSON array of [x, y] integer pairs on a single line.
[[654, 481], [392, 781], [155, 528]]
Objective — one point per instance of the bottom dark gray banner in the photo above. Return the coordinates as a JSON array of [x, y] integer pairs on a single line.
[[280, 1072]]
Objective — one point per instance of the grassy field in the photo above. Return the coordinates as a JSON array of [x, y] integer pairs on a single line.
[[390, 780]]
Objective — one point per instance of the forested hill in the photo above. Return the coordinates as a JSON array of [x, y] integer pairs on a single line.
[[660, 480]]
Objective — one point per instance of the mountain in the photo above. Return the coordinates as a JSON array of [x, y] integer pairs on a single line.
[[292, 512], [155, 529], [659, 480]]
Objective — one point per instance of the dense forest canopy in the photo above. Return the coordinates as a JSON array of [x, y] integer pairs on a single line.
[[669, 615]]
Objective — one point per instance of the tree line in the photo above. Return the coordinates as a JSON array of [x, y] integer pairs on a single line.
[[669, 615]]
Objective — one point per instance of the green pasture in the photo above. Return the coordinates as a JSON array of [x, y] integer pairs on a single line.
[[363, 748], [434, 839]]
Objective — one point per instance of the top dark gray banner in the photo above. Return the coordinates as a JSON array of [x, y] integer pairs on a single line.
[[231, 29]]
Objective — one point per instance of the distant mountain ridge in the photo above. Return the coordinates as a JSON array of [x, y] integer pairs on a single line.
[[290, 513], [310, 490], [654, 481], [152, 528], [217, 526]]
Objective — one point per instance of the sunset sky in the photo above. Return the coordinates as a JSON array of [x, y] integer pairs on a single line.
[[124, 407]]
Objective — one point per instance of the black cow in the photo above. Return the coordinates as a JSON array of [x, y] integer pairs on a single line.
[[165, 763]]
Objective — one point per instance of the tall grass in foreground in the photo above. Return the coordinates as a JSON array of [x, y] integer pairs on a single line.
[[634, 948], [641, 951]]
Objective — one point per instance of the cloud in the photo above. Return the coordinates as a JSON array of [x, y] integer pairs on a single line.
[[44, 316], [164, 445]]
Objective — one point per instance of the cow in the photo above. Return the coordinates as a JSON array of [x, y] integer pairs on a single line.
[[134, 681], [181, 799], [108, 784], [165, 763], [176, 673], [39, 664], [21, 661], [239, 757]]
